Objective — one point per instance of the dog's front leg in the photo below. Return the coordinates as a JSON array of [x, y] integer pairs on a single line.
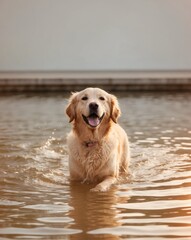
[[104, 185]]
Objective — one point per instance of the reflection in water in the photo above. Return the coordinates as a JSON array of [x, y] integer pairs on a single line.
[[38, 201], [90, 210]]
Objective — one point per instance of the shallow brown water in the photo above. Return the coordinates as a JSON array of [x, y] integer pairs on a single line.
[[38, 202]]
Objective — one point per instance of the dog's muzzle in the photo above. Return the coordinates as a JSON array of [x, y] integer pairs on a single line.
[[93, 120]]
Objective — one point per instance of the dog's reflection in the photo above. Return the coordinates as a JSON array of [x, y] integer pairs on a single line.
[[93, 210]]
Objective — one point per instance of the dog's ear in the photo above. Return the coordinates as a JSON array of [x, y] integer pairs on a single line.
[[71, 107], [115, 110]]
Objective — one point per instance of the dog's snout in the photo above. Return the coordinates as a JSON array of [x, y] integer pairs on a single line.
[[93, 106]]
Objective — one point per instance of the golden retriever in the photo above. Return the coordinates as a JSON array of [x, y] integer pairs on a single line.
[[98, 145]]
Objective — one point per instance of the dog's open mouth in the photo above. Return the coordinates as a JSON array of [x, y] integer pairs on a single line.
[[93, 120]]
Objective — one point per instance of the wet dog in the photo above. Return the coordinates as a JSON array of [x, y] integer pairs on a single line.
[[98, 145]]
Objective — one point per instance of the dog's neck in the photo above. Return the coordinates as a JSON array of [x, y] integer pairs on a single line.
[[90, 143]]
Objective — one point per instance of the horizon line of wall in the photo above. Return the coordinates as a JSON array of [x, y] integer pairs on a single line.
[[49, 81]]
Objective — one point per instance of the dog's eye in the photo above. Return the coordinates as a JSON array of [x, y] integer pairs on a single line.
[[85, 98], [102, 98]]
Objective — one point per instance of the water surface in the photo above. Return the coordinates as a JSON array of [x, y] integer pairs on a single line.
[[38, 202]]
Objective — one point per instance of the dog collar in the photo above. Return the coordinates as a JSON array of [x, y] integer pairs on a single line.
[[90, 143]]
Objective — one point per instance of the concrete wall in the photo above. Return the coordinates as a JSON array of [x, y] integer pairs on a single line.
[[108, 80], [40, 35]]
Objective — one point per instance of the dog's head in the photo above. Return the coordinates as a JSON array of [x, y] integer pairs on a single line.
[[93, 106]]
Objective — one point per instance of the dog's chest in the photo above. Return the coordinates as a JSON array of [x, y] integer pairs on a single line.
[[93, 158]]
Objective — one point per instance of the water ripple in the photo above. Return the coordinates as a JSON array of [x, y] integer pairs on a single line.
[[156, 205], [40, 231], [38, 201]]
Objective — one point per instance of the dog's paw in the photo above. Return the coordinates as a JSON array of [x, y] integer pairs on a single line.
[[99, 188]]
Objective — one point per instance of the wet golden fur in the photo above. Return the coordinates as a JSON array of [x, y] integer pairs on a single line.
[[96, 154]]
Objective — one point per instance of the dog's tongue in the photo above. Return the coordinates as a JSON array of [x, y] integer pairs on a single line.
[[93, 121]]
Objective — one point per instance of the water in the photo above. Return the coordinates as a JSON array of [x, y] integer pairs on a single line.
[[38, 202]]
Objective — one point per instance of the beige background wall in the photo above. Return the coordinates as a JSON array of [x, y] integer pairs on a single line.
[[62, 35]]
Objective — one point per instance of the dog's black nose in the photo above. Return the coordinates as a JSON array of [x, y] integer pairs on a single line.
[[93, 106]]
